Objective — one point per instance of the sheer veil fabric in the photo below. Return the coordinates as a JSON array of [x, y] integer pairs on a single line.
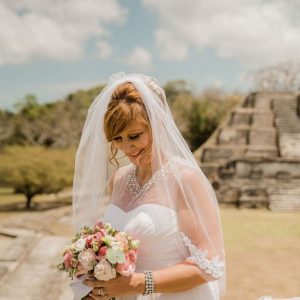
[[177, 181]]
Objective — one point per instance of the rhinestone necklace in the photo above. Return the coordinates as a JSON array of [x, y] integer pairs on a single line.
[[136, 190]]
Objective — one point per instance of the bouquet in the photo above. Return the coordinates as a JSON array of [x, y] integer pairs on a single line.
[[100, 252]]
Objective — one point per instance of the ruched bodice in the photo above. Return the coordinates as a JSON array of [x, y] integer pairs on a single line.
[[156, 228]]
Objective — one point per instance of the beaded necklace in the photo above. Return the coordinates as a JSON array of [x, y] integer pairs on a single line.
[[134, 187]]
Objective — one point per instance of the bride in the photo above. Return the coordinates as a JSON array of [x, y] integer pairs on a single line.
[[158, 195]]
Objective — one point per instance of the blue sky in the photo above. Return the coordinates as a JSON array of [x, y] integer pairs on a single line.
[[51, 48]]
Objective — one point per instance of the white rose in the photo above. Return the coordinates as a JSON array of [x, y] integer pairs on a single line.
[[104, 271], [87, 259], [79, 244]]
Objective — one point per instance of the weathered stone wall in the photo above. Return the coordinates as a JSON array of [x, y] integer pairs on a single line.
[[255, 153]]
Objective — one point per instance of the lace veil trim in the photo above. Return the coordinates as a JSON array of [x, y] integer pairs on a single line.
[[213, 267]]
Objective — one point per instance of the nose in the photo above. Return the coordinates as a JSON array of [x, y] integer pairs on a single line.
[[127, 147]]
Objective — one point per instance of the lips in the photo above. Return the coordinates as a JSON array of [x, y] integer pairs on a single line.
[[134, 155]]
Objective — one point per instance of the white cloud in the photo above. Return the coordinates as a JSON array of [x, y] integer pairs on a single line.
[[256, 32], [55, 29], [140, 59], [104, 49]]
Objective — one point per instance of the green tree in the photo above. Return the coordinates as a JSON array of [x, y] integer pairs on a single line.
[[197, 118], [175, 88], [29, 107], [35, 170]]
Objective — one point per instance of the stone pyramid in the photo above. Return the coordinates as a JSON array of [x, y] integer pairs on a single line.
[[253, 158]]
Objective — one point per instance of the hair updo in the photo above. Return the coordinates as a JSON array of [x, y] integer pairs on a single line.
[[125, 105]]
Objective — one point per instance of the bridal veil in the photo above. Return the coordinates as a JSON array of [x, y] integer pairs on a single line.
[[186, 189]]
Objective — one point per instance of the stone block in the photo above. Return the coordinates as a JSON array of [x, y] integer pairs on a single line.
[[269, 169], [262, 137], [263, 102], [289, 145], [209, 169], [262, 119], [230, 195], [256, 173], [241, 118], [261, 152], [229, 135], [211, 154]]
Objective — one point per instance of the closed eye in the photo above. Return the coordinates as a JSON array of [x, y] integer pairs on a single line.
[[131, 137], [134, 137]]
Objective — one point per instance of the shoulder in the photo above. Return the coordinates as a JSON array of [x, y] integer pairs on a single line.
[[185, 169], [118, 175], [188, 174]]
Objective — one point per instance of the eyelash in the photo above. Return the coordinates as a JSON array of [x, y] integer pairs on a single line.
[[133, 137]]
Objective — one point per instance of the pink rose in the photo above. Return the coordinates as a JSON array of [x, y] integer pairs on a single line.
[[121, 237], [128, 267], [102, 251], [97, 238], [98, 226], [88, 241], [125, 269], [68, 259], [131, 256], [94, 239], [87, 259]]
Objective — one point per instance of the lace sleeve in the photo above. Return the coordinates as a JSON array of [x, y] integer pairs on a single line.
[[213, 267]]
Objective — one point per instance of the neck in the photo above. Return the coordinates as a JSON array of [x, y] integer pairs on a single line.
[[143, 173]]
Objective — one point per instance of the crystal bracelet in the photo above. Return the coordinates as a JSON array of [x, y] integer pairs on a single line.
[[149, 283]]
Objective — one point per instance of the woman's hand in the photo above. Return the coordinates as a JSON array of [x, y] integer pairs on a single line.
[[119, 286]]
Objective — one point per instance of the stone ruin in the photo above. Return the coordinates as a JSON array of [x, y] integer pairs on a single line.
[[253, 158]]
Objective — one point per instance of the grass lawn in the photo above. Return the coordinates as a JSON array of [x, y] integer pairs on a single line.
[[262, 253]]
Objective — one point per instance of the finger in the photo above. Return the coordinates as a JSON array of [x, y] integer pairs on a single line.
[[105, 297], [87, 298], [95, 291], [94, 283]]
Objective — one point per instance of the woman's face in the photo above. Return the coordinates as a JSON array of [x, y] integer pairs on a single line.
[[134, 140]]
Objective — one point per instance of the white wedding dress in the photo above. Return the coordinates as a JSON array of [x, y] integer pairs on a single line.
[[162, 244]]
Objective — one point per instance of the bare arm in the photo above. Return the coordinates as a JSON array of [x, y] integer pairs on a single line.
[[176, 278]]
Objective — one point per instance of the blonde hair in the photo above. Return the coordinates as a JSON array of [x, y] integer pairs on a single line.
[[125, 106]]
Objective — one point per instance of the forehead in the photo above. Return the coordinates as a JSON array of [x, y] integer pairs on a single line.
[[136, 124]]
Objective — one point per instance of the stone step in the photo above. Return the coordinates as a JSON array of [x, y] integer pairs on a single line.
[[283, 207], [267, 169], [233, 135], [218, 153], [245, 198], [289, 129], [210, 168], [286, 196], [288, 193]]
